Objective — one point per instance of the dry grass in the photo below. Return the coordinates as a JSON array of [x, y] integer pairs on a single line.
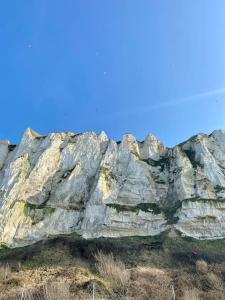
[[211, 281], [201, 266], [213, 295], [5, 272], [129, 273], [191, 295], [140, 283], [57, 291], [112, 270], [150, 283], [184, 281]]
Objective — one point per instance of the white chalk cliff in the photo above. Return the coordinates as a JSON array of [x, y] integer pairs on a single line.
[[88, 184]]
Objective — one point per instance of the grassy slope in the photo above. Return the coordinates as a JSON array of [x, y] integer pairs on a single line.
[[72, 258]]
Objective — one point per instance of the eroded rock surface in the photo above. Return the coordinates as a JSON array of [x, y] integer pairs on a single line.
[[91, 185]]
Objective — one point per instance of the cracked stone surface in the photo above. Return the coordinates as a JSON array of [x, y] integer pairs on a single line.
[[88, 184]]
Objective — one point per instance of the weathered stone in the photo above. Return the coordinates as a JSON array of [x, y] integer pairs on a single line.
[[4, 145], [91, 185]]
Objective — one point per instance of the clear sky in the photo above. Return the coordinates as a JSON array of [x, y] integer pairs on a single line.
[[120, 66]]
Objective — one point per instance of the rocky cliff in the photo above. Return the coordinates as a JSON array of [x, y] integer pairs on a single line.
[[88, 184]]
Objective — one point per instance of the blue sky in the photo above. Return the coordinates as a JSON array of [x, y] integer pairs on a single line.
[[120, 66]]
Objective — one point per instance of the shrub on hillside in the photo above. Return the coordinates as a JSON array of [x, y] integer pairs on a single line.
[[201, 266], [211, 281], [113, 270]]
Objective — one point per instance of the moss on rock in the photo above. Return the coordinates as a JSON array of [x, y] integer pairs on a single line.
[[37, 213]]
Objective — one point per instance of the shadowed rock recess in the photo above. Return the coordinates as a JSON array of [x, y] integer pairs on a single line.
[[88, 184]]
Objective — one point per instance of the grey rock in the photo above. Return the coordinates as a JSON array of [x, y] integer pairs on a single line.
[[91, 185]]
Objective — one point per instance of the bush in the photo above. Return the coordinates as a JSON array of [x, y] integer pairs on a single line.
[[113, 270], [201, 266], [211, 281]]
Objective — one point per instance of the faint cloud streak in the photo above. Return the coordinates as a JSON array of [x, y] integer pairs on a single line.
[[174, 102]]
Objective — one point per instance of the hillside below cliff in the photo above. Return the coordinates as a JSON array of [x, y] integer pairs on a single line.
[[128, 268], [92, 186]]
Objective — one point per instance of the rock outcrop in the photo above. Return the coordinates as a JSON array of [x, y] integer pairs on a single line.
[[88, 184]]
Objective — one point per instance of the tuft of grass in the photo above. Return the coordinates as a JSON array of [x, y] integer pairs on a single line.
[[57, 291], [211, 281], [150, 283], [201, 266], [193, 294], [5, 272], [113, 270]]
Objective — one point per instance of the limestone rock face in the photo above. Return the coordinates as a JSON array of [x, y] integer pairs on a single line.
[[88, 184], [202, 219]]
